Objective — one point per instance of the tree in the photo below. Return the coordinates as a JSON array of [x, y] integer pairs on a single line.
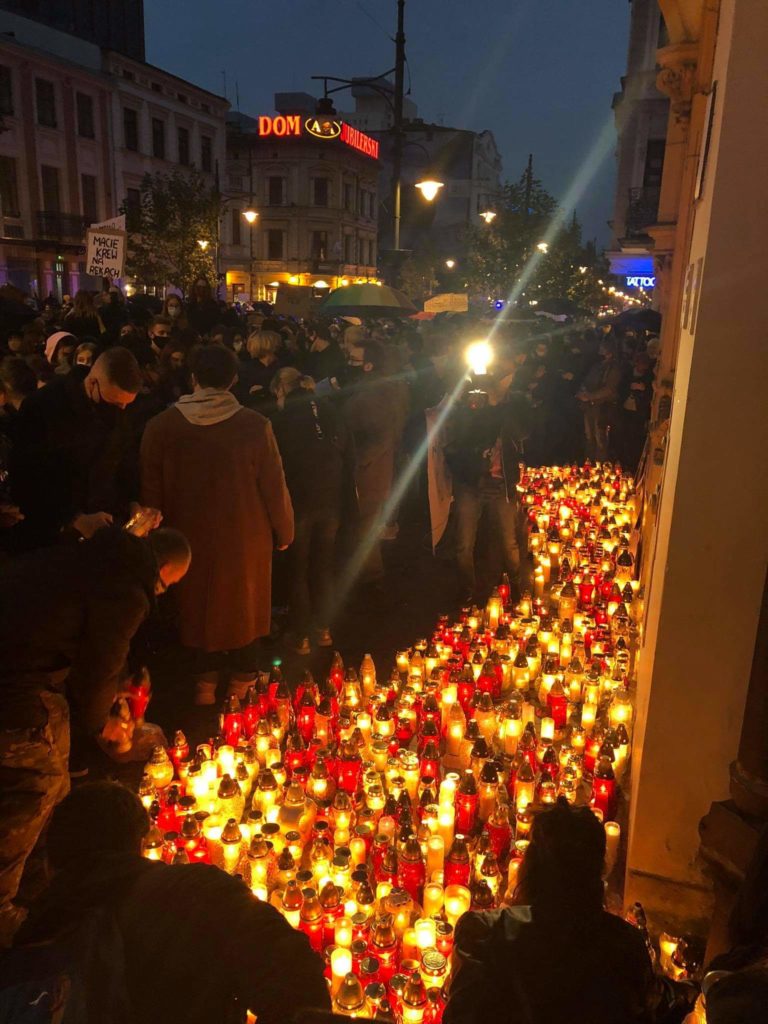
[[418, 275], [504, 257], [175, 212]]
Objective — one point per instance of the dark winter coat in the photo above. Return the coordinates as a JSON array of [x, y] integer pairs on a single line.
[[67, 617], [520, 967], [314, 448], [195, 945], [471, 436], [70, 455], [373, 415], [324, 365]]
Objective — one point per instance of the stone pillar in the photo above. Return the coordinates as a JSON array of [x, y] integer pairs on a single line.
[[707, 553]]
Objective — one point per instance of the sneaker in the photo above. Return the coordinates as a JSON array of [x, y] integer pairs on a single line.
[[324, 638], [205, 693], [302, 646]]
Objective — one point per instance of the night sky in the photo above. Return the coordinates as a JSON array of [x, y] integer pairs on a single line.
[[540, 74]]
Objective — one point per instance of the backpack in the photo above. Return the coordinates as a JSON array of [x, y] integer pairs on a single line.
[[76, 978]]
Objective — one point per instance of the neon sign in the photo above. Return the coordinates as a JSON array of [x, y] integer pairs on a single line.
[[640, 281], [293, 126]]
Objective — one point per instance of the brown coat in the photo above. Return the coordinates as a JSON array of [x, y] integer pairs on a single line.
[[223, 486]]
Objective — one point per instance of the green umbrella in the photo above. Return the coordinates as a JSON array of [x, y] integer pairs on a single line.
[[367, 300]]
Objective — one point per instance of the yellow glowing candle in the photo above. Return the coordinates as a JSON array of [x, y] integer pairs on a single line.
[[383, 889], [341, 965], [410, 944], [588, 715], [426, 933], [260, 892], [433, 899], [225, 756], [547, 729], [445, 824], [342, 932], [357, 848], [341, 837], [612, 839], [435, 854], [457, 900]]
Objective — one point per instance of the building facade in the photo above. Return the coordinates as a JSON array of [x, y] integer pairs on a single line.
[[81, 126], [116, 25], [316, 199], [641, 112]]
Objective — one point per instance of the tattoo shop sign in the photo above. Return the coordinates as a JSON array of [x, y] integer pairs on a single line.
[[105, 251]]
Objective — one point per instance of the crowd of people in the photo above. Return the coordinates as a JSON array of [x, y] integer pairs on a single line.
[[244, 434]]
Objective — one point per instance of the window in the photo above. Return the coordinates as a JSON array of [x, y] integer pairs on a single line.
[[320, 191], [654, 163], [46, 103], [132, 208], [236, 215], [319, 242], [181, 97], [156, 87], [84, 103], [49, 178], [129, 75], [206, 152], [9, 191], [131, 129], [372, 205], [6, 90], [349, 248], [349, 197], [158, 138], [361, 203], [90, 200], [364, 243], [275, 191], [275, 239], [183, 143], [205, 108]]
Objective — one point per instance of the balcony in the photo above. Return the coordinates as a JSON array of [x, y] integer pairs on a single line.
[[642, 210], [61, 227]]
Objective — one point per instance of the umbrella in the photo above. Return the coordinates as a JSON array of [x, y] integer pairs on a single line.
[[641, 319], [368, 300]]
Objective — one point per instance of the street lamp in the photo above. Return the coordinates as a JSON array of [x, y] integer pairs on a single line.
[[543, 246], [488, 216], [250, 215], [450, 264], [429, 188], [203, 243]]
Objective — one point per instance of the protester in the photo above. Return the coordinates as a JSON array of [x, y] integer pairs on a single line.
[[159, 332], [636, 400], [71, 456], [83, 319], [314, 449], [173, 308], [214, 470], [373, 416], [322, 359], [59, 351], [484, 438], [255, 376], [518, 963], [67, 616], [109, 907], [737, 998], [85, 354], [599, 394], [113, 313], [202, 309]]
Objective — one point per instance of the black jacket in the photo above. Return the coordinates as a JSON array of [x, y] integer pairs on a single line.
[[67, 617], [520, 967], [197, 947], [314, 447], [471, 435], [70, 455]]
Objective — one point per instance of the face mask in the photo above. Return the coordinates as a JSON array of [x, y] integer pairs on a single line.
[[174, 311]]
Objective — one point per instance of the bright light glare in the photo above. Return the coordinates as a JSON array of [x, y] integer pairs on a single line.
[[479, 356], [543, 246], [429, 188], [450, 264], [488, 215], [250, 215]]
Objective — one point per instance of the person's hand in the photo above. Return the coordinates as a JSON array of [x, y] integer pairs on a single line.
[[9, 516], [87, 524], [255, 388], [283, 547], [567, 376], [143, 519]]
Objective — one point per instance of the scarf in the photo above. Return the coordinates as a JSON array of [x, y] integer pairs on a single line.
[[207, 406]]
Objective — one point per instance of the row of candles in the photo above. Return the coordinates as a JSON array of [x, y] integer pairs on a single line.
[[373, 812]]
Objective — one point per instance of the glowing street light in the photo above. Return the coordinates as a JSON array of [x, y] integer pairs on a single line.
[[429, 188], [543, 246], [203, 243], [250, 215], [488, 215], [450, 264]]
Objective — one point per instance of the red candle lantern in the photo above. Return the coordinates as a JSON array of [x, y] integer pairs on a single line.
[[305, 716], [466, 803], [232, 721], [138, 694], [557, 703], [604, 789], [411, 870], [311, 919], [457, 868]]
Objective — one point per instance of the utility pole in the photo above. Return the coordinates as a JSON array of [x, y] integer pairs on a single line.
[[528, 185], [397, 147]]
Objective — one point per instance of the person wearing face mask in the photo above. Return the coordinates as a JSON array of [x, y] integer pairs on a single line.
[[67, 617], [71, 465], [203, 311], [255, 376], [159, 333], [173, 308]]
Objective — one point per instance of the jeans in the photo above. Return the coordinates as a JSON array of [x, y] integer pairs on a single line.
[[34, 777], [312, 557], [488, 496], [598, 420]]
